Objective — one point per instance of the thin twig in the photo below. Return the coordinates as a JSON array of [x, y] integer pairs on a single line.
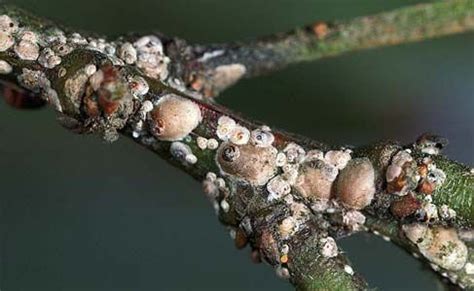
[[323, 39]]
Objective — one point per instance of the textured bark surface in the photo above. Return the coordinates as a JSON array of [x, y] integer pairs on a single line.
[[288, 197]]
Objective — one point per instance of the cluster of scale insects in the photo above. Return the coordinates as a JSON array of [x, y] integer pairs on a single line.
[[327, 181]]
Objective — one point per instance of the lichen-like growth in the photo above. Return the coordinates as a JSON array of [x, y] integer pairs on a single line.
[[286, 197]]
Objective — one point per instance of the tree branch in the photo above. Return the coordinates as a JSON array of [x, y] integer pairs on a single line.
[[216, 67], [286, 196], [394, 232]]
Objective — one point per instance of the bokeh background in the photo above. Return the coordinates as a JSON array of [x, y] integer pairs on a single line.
[[78, 214]]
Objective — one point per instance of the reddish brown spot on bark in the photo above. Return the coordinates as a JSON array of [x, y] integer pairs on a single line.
[[400, 182], [107, 96], [240, 239], [134, 85], [405, 206], [255, 256], [320, 29], [110, 74], [423, 170], [158, 126], [91, 107], [268, 247], [397, 184], [208, 92], [108, 106], [426, 187], [284, 259], [197, 84]]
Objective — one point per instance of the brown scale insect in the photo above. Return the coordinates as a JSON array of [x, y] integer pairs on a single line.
[[425, 186], [241, 239], [405, 206], [103, 99]]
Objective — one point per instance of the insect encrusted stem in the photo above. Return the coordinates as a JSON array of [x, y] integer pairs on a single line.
[[288, 198]]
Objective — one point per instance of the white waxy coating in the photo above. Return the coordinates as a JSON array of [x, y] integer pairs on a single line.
[[328, 247], [128, 53], [446, 213], [225, 127], [287, 227], [220, 183], [441, 246], [75, 86], [90, 69], [226, 75], [191, 159], [280, 160], [201, 142], [278, 187], [138, 86], [431, 211], [62, 49], [183, 153], [5, 68], [211, 176], [354, 219], [402, 157], [225, 206], [34, 80], [294, 153], [314, 155], [49, 59], [6, 41], [149, 44], [240, 135], [147, 106], [338, 159], [436, 175], [393, 172], [150, 57], [290, 172], [348, 269], [27, 50], [7, 24], [262, 138], [469, 268], [212, 144], [96, 80], [29, 36]]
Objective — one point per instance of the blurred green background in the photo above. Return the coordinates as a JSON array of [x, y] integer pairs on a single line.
[[78, 214]]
